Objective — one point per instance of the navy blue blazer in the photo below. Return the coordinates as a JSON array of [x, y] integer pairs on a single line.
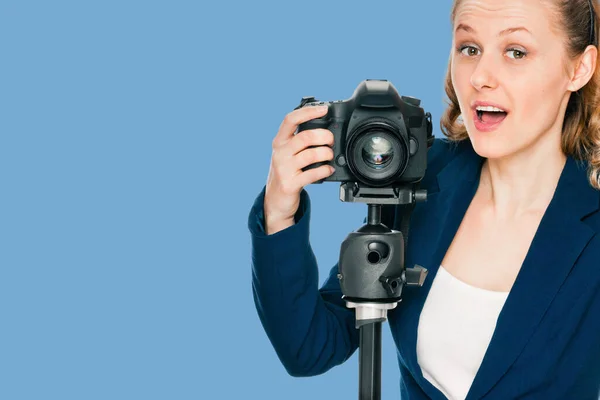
[[546, 344]]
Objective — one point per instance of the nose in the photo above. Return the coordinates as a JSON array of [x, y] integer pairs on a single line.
[[484, 76]]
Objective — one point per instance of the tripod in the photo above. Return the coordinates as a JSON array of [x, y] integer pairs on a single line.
[[372, 274]]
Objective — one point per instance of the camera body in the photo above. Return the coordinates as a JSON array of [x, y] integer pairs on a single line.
[[380, 138]]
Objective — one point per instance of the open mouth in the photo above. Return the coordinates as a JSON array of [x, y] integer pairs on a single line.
[[491, 117]]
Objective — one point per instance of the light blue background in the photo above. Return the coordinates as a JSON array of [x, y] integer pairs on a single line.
[[135, 136]]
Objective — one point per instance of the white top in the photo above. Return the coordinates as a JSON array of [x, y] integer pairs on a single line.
[[455, 328]]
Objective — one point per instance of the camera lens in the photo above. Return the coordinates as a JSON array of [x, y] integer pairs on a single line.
[[377, 152]]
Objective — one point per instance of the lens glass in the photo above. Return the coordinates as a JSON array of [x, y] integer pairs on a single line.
[[377, 152]]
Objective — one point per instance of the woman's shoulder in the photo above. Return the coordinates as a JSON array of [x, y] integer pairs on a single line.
[[439, 155]]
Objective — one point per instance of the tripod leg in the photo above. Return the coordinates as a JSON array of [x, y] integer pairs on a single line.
[[369, 362]]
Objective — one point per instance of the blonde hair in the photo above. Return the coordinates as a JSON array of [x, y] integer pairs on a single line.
[[581, 127]]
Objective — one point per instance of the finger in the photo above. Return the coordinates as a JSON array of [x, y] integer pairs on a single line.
[[312, 155], [311, 137], [293, 119], [314, 174]]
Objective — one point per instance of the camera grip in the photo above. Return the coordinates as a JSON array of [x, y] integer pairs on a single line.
[[317, 123]]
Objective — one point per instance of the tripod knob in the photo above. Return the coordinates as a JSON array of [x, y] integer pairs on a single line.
[[415, 276], [420, 195], [393, 286]]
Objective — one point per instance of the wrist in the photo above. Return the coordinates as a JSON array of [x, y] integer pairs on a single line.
[[274, 224]]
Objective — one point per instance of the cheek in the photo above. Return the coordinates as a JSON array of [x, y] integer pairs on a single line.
[[461, 82], [538, 99]]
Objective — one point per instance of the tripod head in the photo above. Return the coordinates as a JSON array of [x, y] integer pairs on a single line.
[[371, 266]]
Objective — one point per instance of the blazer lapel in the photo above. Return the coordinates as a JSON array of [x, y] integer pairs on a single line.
[[560, 238], [429, 240]]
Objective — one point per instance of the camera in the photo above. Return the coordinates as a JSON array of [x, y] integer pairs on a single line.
[[380, 137]]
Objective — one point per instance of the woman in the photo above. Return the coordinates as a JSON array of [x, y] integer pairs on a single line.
[[510, 232]]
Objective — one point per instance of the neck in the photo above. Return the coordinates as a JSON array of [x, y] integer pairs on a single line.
[[522, 183]]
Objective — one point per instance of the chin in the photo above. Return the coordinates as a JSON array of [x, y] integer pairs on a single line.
[[488, 145]]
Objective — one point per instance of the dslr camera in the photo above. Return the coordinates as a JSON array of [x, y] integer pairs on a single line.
[[380, 137]]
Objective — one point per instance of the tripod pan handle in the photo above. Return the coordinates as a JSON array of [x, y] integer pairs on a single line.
[[415, 276]]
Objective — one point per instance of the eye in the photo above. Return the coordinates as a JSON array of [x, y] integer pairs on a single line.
[[517, 54], [470, 50]]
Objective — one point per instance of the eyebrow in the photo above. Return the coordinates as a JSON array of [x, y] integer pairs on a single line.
[[467, 28]]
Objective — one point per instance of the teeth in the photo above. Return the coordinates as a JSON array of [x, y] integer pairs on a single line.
[[489, 108]]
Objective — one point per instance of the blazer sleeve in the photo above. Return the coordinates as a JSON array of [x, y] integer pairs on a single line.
[[310, 329]]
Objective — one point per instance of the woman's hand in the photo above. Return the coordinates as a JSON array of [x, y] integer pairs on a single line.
[[291, 153]]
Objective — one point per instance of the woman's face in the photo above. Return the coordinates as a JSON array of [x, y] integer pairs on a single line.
[[506, 55]]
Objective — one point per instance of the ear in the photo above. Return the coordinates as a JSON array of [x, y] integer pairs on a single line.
[[585, 67]]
